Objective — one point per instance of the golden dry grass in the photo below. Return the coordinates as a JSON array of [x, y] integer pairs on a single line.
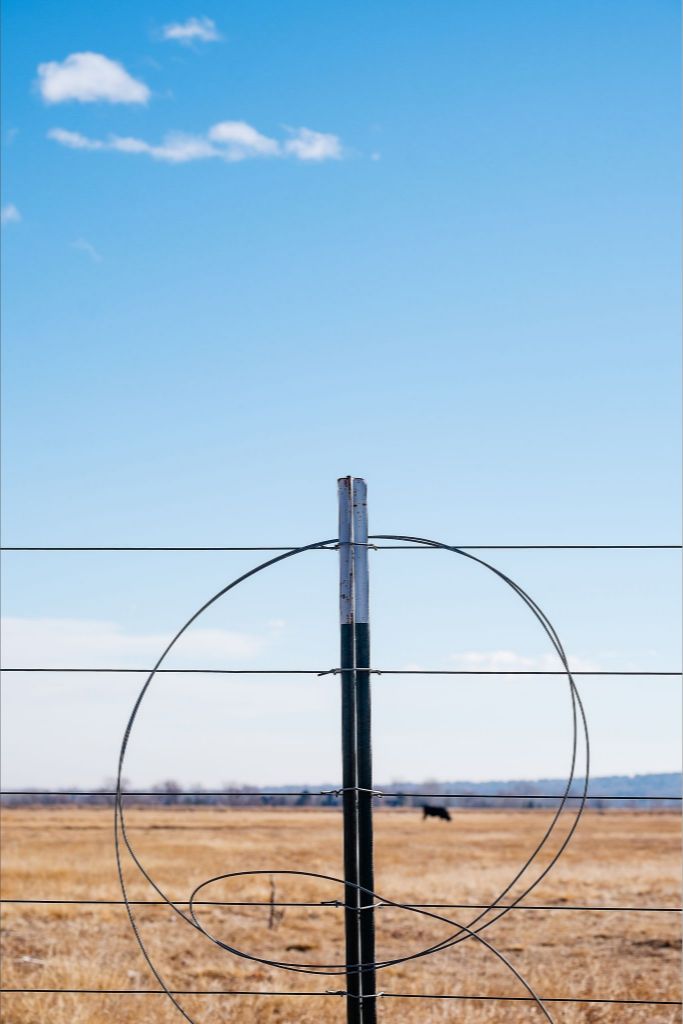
[[617, 859]]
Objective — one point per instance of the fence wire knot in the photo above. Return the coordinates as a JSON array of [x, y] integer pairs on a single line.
[[350, 789]]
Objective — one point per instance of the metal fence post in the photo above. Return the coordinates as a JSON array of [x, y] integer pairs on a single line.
[[349, 756], [356, 750]]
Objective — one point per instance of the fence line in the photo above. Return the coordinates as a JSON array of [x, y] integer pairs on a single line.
[[337, 671], [336, 793], [375, 547], [336, 904], [341, 992]]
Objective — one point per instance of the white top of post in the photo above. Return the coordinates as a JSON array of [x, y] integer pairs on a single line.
[[360, 550], [345, 493]]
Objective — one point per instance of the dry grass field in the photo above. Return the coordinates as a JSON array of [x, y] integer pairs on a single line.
[[616, 859]]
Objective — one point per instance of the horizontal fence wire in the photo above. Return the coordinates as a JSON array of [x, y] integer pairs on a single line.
[[529, 999], [161, 794], [337, 904], [328, 993], [337, 671], [332, 547]]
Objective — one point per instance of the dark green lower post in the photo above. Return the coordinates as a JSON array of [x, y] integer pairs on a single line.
[[366, 872], [350, 809]]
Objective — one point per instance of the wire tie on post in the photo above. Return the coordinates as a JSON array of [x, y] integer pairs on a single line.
[[350, 789], [345, 906]]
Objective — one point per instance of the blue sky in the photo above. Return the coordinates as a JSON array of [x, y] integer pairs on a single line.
[[435, 246]]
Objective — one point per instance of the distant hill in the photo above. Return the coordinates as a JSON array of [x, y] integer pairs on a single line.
[[490, 793]]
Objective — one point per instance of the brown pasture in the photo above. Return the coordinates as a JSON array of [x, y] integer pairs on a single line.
[[617, 859]]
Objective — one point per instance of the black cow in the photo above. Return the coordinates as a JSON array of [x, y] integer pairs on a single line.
[[435, 812]]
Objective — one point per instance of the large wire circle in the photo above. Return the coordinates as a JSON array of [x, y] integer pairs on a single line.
[[470, 930]]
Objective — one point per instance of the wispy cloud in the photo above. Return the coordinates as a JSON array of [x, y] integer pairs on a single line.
[[511, 661], [10, 214], [194, 30], [93, 642], [177, 148], [306, 144], [88, 248], [89, 78], [241, 140], [74, 140], [231, 141]]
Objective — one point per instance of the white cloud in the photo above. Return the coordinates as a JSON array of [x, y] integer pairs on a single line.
[[10, 214], [176, 148], [242, 140], [511, 661], [306, 144], [74, 140], [92, 643], [202, 30], [88, 248], [231, 141], [89, 78]]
